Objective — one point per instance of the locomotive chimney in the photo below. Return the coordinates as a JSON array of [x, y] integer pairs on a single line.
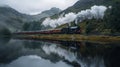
[[76, 21], [68, 24]]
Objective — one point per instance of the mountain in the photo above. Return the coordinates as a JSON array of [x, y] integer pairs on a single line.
[[47, 13], [86, 4], [104, 26], [13, 20], [38, 19], [82, 5]]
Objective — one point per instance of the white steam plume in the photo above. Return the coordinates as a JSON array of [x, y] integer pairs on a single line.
[[61, 20], [96, 12]]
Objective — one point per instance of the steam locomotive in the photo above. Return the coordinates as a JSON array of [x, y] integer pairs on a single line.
[[71, 30]]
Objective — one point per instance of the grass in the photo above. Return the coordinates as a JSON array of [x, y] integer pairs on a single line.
[[76, 37]]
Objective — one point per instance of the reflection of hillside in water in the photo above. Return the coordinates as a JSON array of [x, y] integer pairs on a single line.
[[34, 61], [74, 57], [4, 41], [71, 53]]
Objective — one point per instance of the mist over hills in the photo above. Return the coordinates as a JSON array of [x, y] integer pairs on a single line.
[[47, 13], [14, 20], [10, 18], [107, 25]]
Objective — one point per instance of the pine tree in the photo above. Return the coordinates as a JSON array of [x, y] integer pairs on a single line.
[[113, 18]]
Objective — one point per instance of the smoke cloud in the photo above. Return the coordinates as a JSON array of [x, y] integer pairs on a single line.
[[96, 12], [61, 20]]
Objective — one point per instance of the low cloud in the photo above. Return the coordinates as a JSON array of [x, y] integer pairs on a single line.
[[37, 6]]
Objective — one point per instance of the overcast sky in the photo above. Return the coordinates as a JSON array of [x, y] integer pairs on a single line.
[[36, 6]]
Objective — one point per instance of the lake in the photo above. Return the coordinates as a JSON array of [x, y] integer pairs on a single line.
[[41, 53]]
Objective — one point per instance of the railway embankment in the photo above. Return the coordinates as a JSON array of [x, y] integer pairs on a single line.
[[73, 37]]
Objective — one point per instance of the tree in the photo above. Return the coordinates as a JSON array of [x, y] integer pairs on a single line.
[[113, 17], [26, 26]]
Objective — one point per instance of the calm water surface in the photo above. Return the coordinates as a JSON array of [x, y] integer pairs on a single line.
[[32, 53]]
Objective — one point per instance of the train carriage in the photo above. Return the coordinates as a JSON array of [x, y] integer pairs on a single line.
[[67, 30]]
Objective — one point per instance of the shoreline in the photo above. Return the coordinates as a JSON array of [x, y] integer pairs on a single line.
[[73, 37]]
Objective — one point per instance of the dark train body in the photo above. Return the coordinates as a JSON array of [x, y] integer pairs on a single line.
[[67, 30], [71, 30]]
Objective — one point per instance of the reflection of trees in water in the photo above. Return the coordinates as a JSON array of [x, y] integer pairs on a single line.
[[33, 45], [74, 58], [112, 57], [16, 48], [90, 54], [72, 53], [9, 51], [4, 40], [109, 52]]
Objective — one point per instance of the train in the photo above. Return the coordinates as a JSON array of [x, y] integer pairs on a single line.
[[66, 30]]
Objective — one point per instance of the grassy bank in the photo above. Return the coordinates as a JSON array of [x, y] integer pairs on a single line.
[[76, 37]]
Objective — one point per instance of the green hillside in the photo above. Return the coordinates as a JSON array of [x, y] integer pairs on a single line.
[[109, 25], [82, 5], [86, 4]]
